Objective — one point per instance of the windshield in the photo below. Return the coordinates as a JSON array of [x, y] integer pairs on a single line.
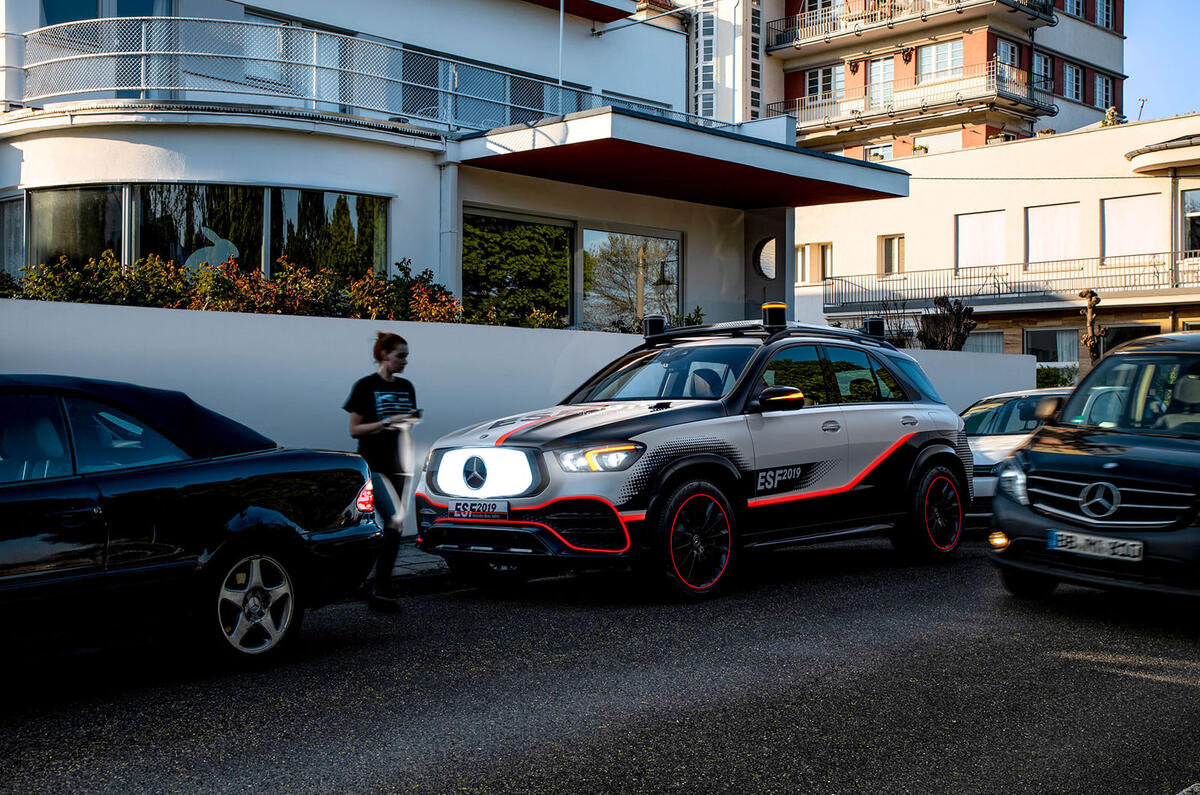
[[1140, 393], [702, 372], [1001, 417]]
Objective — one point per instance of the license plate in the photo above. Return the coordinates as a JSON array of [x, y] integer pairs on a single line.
[[479, 509], [1094, 546]]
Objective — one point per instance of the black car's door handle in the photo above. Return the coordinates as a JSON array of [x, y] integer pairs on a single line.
[[908, 419], [831, 426], [76, 516]]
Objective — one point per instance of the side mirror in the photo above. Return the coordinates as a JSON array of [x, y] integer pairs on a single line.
[[777, 398], [1047, 408]]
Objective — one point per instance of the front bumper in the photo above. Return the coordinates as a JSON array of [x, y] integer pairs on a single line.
[[564, 529], [1170, 558]]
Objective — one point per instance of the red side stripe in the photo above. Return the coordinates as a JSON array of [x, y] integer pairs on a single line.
[[759, 503]]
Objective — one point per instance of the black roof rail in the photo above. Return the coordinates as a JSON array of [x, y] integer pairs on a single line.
[[741, 328]]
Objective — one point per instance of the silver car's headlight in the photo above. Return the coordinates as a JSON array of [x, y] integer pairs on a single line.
[[1011, 480], [604, 458]]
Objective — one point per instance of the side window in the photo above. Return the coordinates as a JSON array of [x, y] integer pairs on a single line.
[[707, 380], [33, 441], [108, 438], [799, 366], [889, 387], [852, 371]]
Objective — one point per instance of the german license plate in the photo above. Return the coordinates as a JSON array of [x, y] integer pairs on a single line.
[[479, 509], [1094, 546]]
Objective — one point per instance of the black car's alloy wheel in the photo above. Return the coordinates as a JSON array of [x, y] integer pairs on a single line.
[[256, 606], [696, 534]]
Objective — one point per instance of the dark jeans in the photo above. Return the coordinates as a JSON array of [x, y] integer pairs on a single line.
[[389, 496]]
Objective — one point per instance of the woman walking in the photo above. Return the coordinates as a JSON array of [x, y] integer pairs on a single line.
[[381, 407]]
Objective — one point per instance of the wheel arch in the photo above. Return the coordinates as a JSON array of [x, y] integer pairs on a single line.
[[938, 453], [710, 466]]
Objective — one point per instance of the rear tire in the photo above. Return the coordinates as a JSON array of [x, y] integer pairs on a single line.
[[250, 607], [695, 539], [935, 520], [1027, 584]]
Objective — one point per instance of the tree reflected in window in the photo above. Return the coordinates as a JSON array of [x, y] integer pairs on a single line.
[[626, 277]]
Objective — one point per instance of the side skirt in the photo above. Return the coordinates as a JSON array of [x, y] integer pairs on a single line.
[[862, 530]]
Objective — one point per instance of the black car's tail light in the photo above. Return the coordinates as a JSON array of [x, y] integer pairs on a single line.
[[365, 501]]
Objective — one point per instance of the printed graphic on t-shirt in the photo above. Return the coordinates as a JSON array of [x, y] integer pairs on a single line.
[[389, 403]]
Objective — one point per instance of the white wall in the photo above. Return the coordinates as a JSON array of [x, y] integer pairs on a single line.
[[962, 378], [287, 377]]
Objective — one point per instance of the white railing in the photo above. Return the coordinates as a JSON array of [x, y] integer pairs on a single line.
[[970, 83], [857, 16], [208, 59]]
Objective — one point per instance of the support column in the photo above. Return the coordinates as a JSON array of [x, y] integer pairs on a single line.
[[777, 224], [449, 230]]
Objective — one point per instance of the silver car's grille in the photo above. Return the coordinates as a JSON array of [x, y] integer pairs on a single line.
[[1138, 504]]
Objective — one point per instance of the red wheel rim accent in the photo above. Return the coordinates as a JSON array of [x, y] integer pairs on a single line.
[[711, 533], [941, 515]]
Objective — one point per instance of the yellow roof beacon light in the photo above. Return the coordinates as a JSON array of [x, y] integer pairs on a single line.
[[774, 316]]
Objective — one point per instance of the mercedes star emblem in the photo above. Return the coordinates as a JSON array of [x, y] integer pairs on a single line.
[[474, 472], [1100, 500]]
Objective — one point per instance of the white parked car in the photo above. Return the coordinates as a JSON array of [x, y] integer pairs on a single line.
[[995, 427]]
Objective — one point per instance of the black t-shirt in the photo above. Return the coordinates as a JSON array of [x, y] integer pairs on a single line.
[[374, 399]]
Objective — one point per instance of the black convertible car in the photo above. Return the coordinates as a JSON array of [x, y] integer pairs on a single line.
[[130, 504]]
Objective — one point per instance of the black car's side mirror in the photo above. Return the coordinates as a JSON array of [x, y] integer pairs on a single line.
[[1047, 408], [777, 398]]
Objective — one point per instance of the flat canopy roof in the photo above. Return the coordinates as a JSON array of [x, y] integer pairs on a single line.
[[635, 152], [599, 10]]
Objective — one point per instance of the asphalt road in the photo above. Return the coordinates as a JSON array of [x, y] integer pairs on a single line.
[[828, 670]]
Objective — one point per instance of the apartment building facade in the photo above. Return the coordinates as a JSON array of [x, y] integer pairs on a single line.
[[1017, 231], [876, 79], [514, 147]]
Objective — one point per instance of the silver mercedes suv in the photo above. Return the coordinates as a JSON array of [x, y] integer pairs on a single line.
[[699, 444]]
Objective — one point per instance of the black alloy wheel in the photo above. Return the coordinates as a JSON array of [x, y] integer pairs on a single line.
[[696, 538], [935, 521]]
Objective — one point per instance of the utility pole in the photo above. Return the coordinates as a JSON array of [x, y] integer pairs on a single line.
[[1141, 103]]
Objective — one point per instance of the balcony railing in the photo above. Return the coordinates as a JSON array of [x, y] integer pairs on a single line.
[[971, 83], [186, 59], [1015, 283], [857, 16]]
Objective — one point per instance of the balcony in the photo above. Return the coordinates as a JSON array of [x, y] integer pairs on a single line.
[[989, 82], [207, 60], [1018, 283], [868, 19]]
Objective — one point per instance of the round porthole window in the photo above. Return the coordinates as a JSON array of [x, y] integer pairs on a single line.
[[764, 258]]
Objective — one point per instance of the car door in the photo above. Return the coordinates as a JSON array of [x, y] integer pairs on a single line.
[[52, 533], [143, 499], [880, 419], [799, 453]]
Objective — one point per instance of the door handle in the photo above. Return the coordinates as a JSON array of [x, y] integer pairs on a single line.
[[76, 517], [831, 426], [908, 419]]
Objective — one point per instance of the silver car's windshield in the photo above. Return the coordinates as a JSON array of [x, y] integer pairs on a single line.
[[702, 372], [1140, 393], [1001, 417]]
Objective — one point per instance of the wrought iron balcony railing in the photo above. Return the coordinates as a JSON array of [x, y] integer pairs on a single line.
[[282, 65], [858, 16], [972, 83], [1015, 283]]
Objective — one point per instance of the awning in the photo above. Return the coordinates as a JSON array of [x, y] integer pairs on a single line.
[[599, 10], [635, 152]]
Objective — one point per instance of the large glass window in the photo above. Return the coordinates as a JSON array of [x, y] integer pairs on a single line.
[[1053, 346], [199, 224], [940, 61], [626, 277], [800, 367], [1073, 82], [1104, 93], [516, 270], [57, 11], [342, 232], [827, 83], [1191, 219], [1043, 72], [985, 342], [78, 223], [12, 232]]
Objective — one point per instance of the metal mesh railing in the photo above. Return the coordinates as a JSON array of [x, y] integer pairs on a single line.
[[208, 59], [967, 84], [1015, 282], [857, 16]]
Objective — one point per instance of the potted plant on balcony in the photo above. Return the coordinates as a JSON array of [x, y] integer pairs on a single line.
[[996, 138], [920, 149], [1047, 131]]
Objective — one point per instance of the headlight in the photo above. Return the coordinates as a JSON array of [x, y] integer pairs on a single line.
[[610, 458], [1010, 479]]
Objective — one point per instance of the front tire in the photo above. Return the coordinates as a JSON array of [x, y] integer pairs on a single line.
[[252, 607], [695, 540], [1027, 584], [935, 516]]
